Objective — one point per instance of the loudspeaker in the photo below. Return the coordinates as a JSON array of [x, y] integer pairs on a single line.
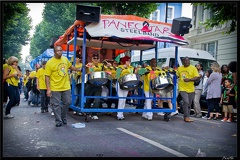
[[52, 41], [88, 13], [181, 25]]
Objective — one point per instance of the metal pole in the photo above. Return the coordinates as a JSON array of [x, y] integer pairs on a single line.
[[166, 13], [83, 68], [74, 62]]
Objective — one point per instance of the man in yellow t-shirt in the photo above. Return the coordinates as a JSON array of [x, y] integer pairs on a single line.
[[41, 86], [25, 79], [187, 75], [152, 72], [58, 84], [34, 98]]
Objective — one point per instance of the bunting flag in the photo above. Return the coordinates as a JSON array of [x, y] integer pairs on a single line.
[[117, 58]]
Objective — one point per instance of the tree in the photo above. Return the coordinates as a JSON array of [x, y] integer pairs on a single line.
[[138, 9], [58, 17], [16, 28], [222, 12]]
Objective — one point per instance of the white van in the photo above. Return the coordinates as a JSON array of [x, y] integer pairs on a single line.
[[166, 56]]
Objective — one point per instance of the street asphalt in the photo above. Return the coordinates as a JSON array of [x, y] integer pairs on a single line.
[[34, 134]]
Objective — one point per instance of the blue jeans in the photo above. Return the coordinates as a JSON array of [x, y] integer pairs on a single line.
[[14, 97], [25, 90]]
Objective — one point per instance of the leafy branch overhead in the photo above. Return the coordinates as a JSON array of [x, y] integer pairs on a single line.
[[221, 13]]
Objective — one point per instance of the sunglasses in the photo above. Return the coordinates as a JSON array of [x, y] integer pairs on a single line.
[[95, 58]]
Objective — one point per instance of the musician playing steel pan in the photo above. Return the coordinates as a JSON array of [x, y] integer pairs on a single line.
[[170, 71], [92, 90], [152, 72], [124, 69], [78, 82], [111, 69]]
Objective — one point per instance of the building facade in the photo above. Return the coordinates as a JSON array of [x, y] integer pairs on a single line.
[[223, 47], [174, 10]]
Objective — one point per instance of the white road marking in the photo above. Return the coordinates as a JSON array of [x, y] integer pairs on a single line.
[[153, 143]]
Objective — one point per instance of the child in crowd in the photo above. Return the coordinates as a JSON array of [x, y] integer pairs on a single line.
[[227, 100]]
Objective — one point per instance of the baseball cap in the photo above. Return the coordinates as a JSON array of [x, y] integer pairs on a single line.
[[95, 55]]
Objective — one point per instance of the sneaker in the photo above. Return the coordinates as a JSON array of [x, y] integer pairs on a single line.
[[174, 114], [46, 110], [29, 103], [8, 116], [64, 120], [147, 117], [160, 114], [74, 112], [198, 115], [80, 114], [58, 124], [95, 117], [224, 120], [205, 117], [120, 118], [193, 115], [229, 120], [52, 113]]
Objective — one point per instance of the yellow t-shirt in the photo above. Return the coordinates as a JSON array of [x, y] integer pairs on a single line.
[[13, 81], [32, 75], [186, 72], [25, 79], [148, 77], [5, 66], [41, 78], [96, 68], [126, 71], [78, 66], [57, 70]]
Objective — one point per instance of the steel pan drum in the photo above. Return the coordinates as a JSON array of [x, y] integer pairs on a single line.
[[129, 82], [79, 79], [99, 78], [162, 84]]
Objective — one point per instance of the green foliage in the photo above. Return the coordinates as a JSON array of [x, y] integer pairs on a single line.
[[222, 12], [16, 27], [138, 9], [58, 17]]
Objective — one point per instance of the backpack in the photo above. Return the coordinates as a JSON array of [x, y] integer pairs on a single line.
[[29, 85], [196, 83], [34, 86]]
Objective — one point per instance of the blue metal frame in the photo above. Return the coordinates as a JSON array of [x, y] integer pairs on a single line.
[[83, 97]]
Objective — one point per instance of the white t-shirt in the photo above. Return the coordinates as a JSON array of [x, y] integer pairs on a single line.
[[200, 86]]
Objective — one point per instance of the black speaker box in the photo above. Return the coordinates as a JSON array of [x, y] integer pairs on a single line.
[[52, 41], [181, 25], [88, 13]]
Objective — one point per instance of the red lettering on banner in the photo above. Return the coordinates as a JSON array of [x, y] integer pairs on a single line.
[[132, 25]]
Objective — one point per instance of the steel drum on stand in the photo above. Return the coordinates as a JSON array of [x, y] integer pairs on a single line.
[[162, 84], [99, 78], [129, 82]]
